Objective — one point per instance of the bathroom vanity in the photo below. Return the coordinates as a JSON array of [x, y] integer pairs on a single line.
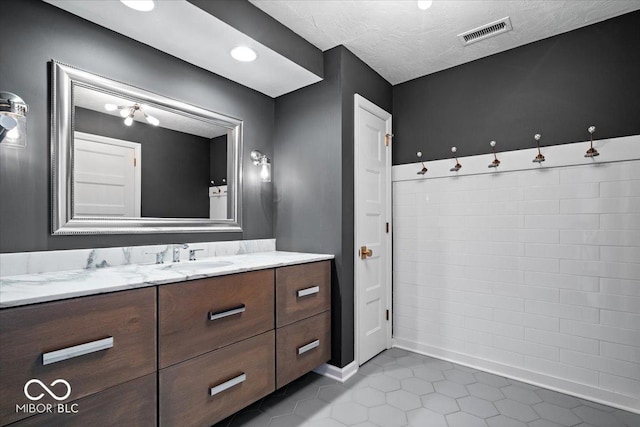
[[189, 351]]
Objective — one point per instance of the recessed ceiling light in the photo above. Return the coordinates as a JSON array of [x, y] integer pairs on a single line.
[[244, 54], [424, 4], [140, 5]]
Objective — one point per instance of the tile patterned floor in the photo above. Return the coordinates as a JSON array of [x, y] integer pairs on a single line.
[[399, 388]]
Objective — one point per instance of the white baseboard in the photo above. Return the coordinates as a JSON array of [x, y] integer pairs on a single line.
[[335, 373], [582, 391]]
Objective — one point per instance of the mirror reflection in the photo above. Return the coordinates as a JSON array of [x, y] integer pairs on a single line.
[[138, 160], [127, 160]]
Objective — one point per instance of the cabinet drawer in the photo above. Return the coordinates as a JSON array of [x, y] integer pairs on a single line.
[[132, 404], [93, 343], [203, 315], [236, 375], [302, 346], [302, 291]]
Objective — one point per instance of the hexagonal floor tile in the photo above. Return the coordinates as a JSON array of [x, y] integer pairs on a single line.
[[334, 394], [410, 361], [424, 417], [324, 422], [404, 400], [460, 377], [478, 407], [369, 397], [462, 419], [628, 418], [428, 374], [441, 365], [349, 413], [485, 391], [416, 386], [494, 380], [541, 422], [384, 383], [502, 421], [558, 399], [451, 389], [440, 403], [398, 372], [522, 395], [556, 413], [516, 410], [311, 409], [276, 405], [252, 418], [290, 420], [387, 416]]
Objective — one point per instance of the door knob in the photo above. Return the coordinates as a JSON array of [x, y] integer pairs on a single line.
[[364, 252]]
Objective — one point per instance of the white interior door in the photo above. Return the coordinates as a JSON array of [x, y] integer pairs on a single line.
[[372, 229], [106, 176]]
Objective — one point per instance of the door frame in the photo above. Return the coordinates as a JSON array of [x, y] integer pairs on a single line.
[[137, 172], [362, 103]]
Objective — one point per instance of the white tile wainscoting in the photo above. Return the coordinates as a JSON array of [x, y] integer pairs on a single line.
[[529, 271]]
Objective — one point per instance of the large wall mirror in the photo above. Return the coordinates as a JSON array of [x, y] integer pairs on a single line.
[[125, 160]]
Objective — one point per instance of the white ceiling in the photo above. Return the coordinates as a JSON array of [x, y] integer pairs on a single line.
[[185, 31], [96, 100], [402, 42]]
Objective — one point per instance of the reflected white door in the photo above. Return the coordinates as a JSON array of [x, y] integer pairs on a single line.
[[106, 176], [372, 214]]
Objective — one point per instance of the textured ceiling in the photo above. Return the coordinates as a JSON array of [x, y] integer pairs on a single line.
[[402, 42]]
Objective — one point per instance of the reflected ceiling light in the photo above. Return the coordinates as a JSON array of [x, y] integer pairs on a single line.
[[129, 111], [244, 54], [139, 5], [424, 4]]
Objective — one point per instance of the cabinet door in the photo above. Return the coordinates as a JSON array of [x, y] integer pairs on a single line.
[[92, 343], [302, 291], [203, 315], [132, 404], [302, 347], [209, 388]]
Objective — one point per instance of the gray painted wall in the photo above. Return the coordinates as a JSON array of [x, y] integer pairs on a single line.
[[38, 32], [557, 87], [162, 150], [314, 176]]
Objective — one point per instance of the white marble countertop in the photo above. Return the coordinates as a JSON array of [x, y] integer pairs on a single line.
[[41, 287]]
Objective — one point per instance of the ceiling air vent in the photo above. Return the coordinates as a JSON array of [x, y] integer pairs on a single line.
[[484, 32]]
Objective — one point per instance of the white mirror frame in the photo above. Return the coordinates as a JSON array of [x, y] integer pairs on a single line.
[[64, 77]]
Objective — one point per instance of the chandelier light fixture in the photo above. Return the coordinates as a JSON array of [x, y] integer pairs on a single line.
[[129, 111]]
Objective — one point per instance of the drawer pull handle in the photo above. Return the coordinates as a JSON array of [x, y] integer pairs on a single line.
[[76, 350], [227, 384], [215, 315], [310, 346], [308, 291]]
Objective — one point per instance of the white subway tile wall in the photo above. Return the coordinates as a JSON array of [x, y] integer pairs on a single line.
[[533, 269]]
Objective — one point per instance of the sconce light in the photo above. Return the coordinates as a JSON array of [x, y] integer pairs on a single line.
[[13, 120], [128, 111], [263, 161]]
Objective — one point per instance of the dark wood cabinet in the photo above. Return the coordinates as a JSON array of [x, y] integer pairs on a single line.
[[184, 354], [92, 343]]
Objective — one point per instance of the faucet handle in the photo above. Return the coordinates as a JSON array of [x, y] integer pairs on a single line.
[[159, 256], [192, 254]]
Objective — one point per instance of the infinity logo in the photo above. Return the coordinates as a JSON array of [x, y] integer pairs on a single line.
[[47, 389]]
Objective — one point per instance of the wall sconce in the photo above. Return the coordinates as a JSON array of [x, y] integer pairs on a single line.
[[13, 120], [263, 161]]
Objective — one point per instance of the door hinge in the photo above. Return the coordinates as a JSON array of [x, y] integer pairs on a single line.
[[387, 139], [135, 162], [387, 314], [387, 227]]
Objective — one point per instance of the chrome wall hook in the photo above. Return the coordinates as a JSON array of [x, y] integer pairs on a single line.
[[539, 158], [592, 152], [424, 168], [457, 166], [495, 163]]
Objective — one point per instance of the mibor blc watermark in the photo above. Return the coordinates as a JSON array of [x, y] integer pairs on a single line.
[[35, 389]]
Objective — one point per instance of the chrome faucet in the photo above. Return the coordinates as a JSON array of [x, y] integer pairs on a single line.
[[176, 251]]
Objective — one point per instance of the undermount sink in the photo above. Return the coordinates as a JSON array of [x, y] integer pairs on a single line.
[[197, 265]]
